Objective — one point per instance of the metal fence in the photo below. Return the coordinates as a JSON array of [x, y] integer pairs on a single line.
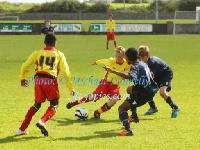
[[90, 16]]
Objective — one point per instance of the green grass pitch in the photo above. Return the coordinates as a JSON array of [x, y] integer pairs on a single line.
[[159, 131]]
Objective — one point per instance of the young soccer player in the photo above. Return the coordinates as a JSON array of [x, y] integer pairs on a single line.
[[144, 88], [109, 86], [47, 28], [163, 75], [48, 62], [110, 27]]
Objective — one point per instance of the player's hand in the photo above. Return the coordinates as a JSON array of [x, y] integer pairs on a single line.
[[72, 93], [108, 69], [24, 83]]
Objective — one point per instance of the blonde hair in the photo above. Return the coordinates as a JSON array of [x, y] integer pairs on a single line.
[[143, 50], [121, 48]]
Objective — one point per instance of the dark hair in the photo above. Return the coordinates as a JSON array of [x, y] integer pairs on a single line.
[[50, 39], [132, 54]]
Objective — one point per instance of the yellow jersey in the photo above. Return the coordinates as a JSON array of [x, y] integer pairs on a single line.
[[110, 25], [111, 62], [50, 61]]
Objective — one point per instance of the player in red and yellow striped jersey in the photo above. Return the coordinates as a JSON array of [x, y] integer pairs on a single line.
[[109, 86], [110, 27], [48, 62]]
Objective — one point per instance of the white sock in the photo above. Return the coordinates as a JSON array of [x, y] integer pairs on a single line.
[[41, 123]]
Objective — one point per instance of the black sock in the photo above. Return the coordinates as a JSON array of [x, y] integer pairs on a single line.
[[152, 104], [171, 103], [134, 115], [123, 116]]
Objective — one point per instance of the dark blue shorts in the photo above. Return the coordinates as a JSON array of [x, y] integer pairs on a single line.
[[138, 99], [165, 80]]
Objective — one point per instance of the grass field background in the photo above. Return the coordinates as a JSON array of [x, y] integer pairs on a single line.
[[159, 131]]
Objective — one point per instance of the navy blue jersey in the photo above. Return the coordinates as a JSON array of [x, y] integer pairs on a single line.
[[47, 30], [158, 67], [142, 78]]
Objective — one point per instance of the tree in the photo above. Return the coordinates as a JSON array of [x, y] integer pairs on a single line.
[[131, 1], [188, 5], [164, 6]]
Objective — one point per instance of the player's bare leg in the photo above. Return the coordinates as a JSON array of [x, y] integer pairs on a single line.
[[89, 98], [107, 45], [31, 112], [168, 99], [107, 106], [51, 111], [115, 43]]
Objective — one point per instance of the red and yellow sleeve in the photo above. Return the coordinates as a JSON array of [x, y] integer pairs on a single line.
[[25, 66], [64, 69], [105, 62]]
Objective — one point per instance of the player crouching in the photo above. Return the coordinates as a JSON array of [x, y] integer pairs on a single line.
[[47, 63], [109, 86], [163, 75]]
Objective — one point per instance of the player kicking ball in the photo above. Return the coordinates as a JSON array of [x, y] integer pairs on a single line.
[[144, 88], [110, 35], [163, 75], [48, 62], [109, 86]]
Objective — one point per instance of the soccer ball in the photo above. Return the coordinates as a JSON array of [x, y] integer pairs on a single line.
[[81, 113]]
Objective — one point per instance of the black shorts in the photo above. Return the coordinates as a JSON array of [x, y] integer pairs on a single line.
[[165, 80], [138, 98]]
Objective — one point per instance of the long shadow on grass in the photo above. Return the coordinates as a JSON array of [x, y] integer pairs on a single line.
[[97, 134], [15, 138], [67, 121]]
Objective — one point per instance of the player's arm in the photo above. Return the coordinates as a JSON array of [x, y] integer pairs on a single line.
[[105, 62], [124, 75], [64, 68], [126, 70], [113, 26], [25, 68], [44, 30]]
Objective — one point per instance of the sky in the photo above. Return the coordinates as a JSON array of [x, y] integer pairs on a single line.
[[29, 1]]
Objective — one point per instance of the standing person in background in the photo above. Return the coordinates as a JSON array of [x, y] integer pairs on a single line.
[[47, 28], [110, 27]]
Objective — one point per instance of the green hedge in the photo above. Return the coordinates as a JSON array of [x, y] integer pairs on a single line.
[[131, 1], [70, 6], [75, 6]]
